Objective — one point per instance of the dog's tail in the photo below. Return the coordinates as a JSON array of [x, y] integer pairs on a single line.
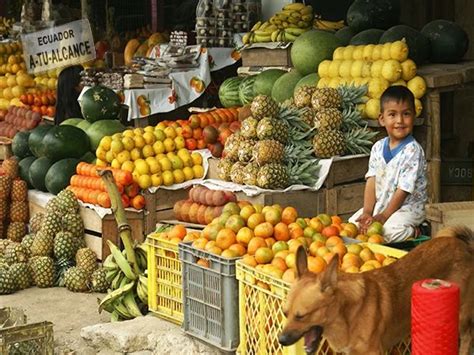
[[461, 232]]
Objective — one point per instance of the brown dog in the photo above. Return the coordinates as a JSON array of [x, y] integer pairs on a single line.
[[368, 313]]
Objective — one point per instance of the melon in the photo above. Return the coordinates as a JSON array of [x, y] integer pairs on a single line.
[[285, 85], [100, 129], [418, 43], [24, 168], [84, 125], [58, 175], [36, 137], [370, 36], [100, 103], [229, 92], [449, 42], [20, 146], [310, 79], [365, 14], [311, 48], [264, 81], [37, 173], [72, 121], [246, 92], [65, 142], [345, 34]]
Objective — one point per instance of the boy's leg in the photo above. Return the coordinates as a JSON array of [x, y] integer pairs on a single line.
[[400, 226], [354, 217]]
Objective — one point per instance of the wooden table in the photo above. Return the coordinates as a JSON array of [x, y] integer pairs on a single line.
[[440, 78]]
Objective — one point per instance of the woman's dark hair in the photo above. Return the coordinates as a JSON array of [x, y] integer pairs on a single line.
[[67, 94]]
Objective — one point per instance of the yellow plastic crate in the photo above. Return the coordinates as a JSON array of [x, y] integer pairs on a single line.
[[165, 290], [261, 299]]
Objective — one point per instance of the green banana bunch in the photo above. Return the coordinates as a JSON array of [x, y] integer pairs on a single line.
[[128, 295], [326, 25]]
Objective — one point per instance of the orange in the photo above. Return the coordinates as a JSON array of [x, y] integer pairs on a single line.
[[336, 219], [264, 230], [178, 231], [273, 216], [339, 249], [289, 276], [379, 257], [254, 220], [352, 229], [249, 260], [254, 244], [290, 260], [238, 248], [270, 241], [375, 238], [244, 235], [328, 257], [210, 244], [351, 260], [281, 231], [314, 247], [229, 254], [200, 243], [279, 263], [215, 250], [362, 237], [293, 245], [338, 227], [330, 231], [321, 251], [263, 255], [332, 241], [316, 264], [289, 215], [225, 238], [281, 254], [190, 237], [295, 230], [203, 262]]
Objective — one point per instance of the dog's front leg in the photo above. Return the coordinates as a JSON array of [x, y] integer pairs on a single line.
[[367, 351], [467, 333]]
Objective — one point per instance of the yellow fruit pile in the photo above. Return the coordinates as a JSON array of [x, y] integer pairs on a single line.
[[154, 156], [47, 80], [377, 66]]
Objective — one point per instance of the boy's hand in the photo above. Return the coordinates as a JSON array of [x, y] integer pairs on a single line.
[[364, 221], [380, 218]]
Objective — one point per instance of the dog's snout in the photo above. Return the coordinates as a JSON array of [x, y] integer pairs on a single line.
[[286, 339]]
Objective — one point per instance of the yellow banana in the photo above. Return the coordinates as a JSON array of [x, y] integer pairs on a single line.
[[307, 10], [305, 25], [275, 35], [292, 20], [295, 31], [264, 25], [131, 304], [246, 38], [297, 6], [280, 36], [285, 24], [289, 37], [262, 39], [256, 26], [282, 15], [307, 18], [121, 261], [296, 15]]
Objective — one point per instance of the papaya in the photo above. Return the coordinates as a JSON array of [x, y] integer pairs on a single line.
[[130, 50]]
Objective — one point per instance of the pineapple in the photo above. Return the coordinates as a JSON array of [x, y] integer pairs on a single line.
[[231, 149], [52, 206], [307, 115], [67, 202], [10, 167], [21, 275], [236, 173], [16, 231], [99, 281], [3, 209], [325, 98], [4, 243], [304, 171], [264, 106], [60, 268], [268, 151], [36, 221], [7, 282], [16, 253], [250, 174], [334, 142], [5, 187], [225, 166], [51, 224], [19, 191], [303, 94], [2, 230], [328, 118], [272, 176], [64, 246], [43, 271], [27, 241], [270, 128], [248, 128], [86, 259], [19, 211], [73, 223], [245, 150], [43, 244], [76, 279]]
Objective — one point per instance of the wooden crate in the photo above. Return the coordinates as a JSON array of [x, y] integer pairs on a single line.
[[446, 214], [159, 206], [98, 230], [266, 57]]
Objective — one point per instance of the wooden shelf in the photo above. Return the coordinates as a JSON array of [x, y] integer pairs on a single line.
[[445, 75]]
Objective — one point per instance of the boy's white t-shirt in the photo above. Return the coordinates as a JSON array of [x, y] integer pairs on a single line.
[[406, 170]]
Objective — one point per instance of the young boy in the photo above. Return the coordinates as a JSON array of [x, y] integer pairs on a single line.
[[395, 191]]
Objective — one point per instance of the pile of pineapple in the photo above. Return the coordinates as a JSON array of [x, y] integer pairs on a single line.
[[46, 256], [271, 149], [376, 65], [336, 119]]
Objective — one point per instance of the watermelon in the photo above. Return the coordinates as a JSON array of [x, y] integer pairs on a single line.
[[370, 36], [37, 172], [65, 142], [100, 129], [418, 43], [100, 103], [285, 85], [229, 92], [24, 168], [345, 34], [20, 146], [89, 157], [264, 81], [58, 175], [84, 125], [246, 92], [310, 79], [365, 14], [35, 139], [311, 48], [72, 121], [449, 41]]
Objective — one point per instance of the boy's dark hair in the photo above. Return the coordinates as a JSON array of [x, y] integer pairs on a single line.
[[398, 93]]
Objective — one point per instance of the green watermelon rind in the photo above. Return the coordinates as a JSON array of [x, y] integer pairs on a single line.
[[246, 92], [37, 173], [229, 92], [264, 82], [20, 147], [36, 138], [58, 175], [285, 85], [24, 168], [100, 103], [65, 142]]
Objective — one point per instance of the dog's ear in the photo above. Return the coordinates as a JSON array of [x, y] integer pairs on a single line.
[[301, 261], [329, 276]]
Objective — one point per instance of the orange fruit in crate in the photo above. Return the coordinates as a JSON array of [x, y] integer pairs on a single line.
[[379, 257], [249, 260], [316, 224], [203, 263], [281, 232], [225, 238], [229, 254], [330, 231], [289, 215], [280, 264], [336, 219], [200, 243], [352, 229], [210, 244], [289, 276], [263, 255], [254, 244], [375, 238], [215, 250], [293, 245], [281, 254], [264, 230], [270, 241], [254, 220], [295, 230], [328, 257], [272, 215], [238, 248], [316, 264], [332, 241], [339, 249], [314, 246], [178, 231], [244, 235], [191, 237]]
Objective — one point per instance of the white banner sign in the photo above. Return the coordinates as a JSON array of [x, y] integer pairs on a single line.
[[58, 47]]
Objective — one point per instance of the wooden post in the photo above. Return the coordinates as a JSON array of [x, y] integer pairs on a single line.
[[433, 101]]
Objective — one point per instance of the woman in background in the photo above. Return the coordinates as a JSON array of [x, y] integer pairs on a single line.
[[69, 88]]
